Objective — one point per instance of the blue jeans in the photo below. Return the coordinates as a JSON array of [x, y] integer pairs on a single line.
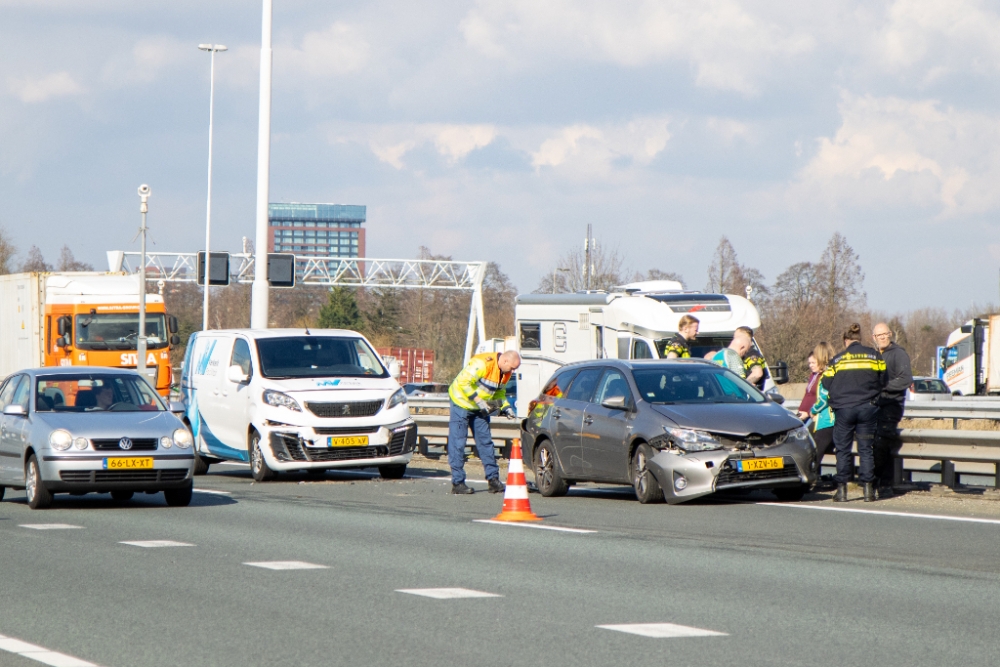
[[458, 434], [858, 421]]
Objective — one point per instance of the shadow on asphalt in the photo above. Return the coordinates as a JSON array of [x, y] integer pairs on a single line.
[[364, 474], [94, 501]]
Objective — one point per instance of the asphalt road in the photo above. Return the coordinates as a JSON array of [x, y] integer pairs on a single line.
[[782, 585]]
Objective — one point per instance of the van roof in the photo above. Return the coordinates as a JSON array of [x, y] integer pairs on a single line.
[[281, 333]]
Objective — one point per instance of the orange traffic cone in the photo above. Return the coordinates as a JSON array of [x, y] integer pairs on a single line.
[[516, 506]]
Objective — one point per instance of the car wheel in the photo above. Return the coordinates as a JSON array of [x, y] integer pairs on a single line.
[[790, 495], [258, 466], [647, 489], [34, 487], [179, 497], [122, 496], [548, 474], [392, 472], [2, 489]]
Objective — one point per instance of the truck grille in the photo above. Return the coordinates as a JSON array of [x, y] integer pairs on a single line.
[[140, 444], [355, 409], [99, 476], [730, 477]]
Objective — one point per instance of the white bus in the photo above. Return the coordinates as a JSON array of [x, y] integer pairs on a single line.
[[631, 322]]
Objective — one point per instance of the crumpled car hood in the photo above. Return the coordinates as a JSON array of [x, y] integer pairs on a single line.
[[730, 418]]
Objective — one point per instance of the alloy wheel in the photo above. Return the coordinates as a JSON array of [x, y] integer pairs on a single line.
[[640, 471], [31, 481], [545, 470]]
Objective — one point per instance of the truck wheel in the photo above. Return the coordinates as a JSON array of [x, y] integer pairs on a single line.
[[179, 497], [392, 472], [258, 466], [38, 496], [548, 475], [200, 465], [647, 489]]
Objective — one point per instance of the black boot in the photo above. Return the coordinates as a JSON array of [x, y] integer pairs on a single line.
[[496, 486], [461, 489], [841, 495], [869, 492], [885, 490]]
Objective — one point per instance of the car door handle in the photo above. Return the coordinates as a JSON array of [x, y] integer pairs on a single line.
[[588, 420], [556, 414]]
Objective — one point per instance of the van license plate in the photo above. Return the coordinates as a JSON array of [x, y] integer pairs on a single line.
[[753, 465], [348, 441], [136, 463]]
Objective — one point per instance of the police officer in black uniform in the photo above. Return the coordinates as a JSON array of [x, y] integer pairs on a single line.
[[679, 347], [855, 379]]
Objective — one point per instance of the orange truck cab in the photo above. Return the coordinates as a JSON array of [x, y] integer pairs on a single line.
[[82, 319]]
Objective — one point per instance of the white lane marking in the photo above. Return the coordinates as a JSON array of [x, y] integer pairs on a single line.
[[214, 492], [152, 544], [905, 515], [520, 524], [662, 630], [287, 565], [50, 526], [447, 593], [39, 654]]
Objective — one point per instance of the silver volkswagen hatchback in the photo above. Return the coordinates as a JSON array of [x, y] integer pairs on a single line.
[[88, 429]]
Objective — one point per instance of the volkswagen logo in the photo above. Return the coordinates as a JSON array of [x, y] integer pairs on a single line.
[[125, 443]]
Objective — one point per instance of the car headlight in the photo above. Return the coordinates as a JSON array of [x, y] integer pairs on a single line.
[[280, 400], [183, 439], [166, 443], [691, 440], [396, 399], [81, 443], [61, 439], [801, 434]]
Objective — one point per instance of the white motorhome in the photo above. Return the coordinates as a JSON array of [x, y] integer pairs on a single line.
[[631, 322]]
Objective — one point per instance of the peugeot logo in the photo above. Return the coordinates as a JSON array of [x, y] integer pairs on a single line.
[[345, 409], [125, 443]]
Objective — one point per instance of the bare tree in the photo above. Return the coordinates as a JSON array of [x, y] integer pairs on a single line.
[[839, 277], [7, 251], [67, 262], [35, 262], [727, 276], [571, 270]]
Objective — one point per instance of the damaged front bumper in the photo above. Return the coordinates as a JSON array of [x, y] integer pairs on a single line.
[[304, 448], [684, 476]]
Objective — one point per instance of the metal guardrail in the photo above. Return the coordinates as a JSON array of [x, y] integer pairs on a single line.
[[976, 452]]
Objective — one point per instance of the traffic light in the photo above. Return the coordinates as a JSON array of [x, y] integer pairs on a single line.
[[218, 271]]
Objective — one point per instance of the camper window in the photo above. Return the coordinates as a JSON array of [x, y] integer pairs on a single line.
[[531, 336], [640, 350]]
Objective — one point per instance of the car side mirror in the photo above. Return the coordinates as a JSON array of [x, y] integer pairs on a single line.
[[176, 407], [236, 375], [61, 341], [175, 340], [15, 411], [62, 325], [172, 324], [776, 397], [394, 369], [615, 403]]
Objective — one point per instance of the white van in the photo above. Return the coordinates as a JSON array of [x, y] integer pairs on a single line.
[[295, 399]]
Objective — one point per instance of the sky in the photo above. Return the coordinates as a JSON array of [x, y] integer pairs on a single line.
[[497, 130]]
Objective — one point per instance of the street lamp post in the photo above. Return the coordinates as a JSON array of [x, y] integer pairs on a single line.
[[213, 49], [140, 341], [259, 295]]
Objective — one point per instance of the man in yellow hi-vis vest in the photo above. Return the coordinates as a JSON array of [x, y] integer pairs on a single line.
[[483, 381]]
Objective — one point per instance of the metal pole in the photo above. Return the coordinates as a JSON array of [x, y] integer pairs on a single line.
[[586, 247], [208, 211], [140, 345], [480, 316], [259, 297]]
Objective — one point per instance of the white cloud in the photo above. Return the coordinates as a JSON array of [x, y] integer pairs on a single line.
[[391, 142], [891, 151], [147, 60], [941, 36], [33, 90], [728, 47], [338, 49], [586, 149]]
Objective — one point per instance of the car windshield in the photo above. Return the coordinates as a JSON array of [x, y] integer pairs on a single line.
[[95, 392], [119, 331], [318, 356], [930, 387], [693, 383]]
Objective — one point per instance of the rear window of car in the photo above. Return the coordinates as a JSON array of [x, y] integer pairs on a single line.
[[694, 384], [930, 387]]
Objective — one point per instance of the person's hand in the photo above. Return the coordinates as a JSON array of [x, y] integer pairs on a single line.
[[482, 405], [803, 415], [507, 412]]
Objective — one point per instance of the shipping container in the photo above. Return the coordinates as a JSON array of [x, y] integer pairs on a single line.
[[416, 364]]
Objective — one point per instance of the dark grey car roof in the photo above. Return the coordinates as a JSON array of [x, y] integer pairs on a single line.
[[638, 363], [76, 370]]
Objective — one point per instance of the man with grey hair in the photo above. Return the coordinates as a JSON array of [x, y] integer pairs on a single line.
[[899, 377], [483, 381]]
